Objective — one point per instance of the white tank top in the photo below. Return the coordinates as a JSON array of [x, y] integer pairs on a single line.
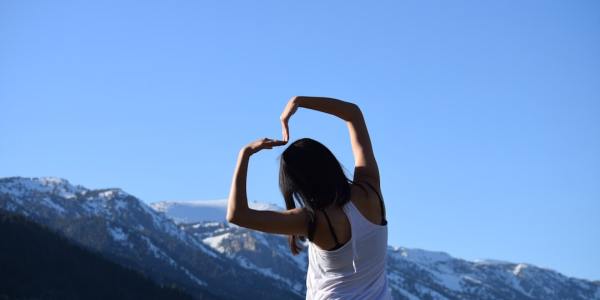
[[356, 270]]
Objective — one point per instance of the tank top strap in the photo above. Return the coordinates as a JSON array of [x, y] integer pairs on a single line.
[[337, 243]]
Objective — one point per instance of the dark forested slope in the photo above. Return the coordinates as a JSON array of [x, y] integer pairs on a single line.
[[36, 263]]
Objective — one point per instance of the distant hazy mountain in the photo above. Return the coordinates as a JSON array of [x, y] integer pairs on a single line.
[[209, 258], [201, 210]]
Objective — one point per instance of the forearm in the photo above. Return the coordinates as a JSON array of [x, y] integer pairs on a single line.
[[339, 108], [238, 200]]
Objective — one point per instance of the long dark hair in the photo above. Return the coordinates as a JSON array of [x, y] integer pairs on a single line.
[[310, 175]]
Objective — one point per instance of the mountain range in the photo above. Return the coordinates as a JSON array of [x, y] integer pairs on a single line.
[[189, 245]]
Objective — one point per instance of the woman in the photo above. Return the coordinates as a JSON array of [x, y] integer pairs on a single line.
[[343, 219]]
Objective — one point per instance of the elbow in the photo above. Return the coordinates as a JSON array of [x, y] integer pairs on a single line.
[[231, 218], [234, 217], [354, 112], [237, 215]]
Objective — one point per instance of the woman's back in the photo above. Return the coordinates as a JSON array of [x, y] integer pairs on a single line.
[[356, 269]]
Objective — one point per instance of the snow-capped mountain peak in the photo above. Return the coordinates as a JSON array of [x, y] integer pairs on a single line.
[[23, 185], [420, 256]]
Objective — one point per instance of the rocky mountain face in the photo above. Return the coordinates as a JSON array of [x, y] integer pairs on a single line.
[[210, 258], [413, 273], [129, 232]]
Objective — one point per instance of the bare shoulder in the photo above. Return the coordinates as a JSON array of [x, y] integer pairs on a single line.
[[366, 199]]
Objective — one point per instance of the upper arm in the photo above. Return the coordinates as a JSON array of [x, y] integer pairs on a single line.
[[290, 222], [365, 165]]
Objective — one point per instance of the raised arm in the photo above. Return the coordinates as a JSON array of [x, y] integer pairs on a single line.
[[365, 165], [291, 222]]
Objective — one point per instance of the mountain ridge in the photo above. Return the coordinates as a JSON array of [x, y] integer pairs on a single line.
[[191, 208], [134, 235], [234, 261]]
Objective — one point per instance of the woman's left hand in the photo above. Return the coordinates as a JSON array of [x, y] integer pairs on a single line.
[[260, 144]]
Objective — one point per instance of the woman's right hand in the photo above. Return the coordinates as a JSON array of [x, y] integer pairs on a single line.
[[287, 113]]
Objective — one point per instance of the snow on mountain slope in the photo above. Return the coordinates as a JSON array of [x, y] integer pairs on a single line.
[[239, 263], [126, 230], [413, 273], [202, 210], [267, 254]]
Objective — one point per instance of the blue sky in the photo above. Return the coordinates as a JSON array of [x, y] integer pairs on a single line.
[[485, 117]]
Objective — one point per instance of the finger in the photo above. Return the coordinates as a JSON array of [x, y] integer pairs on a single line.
[[278, 143], [267, 141], [272, 141]]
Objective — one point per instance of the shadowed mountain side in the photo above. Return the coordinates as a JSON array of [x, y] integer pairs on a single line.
[[37, 263]]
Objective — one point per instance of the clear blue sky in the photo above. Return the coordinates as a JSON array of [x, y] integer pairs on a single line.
[[485, 117]]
